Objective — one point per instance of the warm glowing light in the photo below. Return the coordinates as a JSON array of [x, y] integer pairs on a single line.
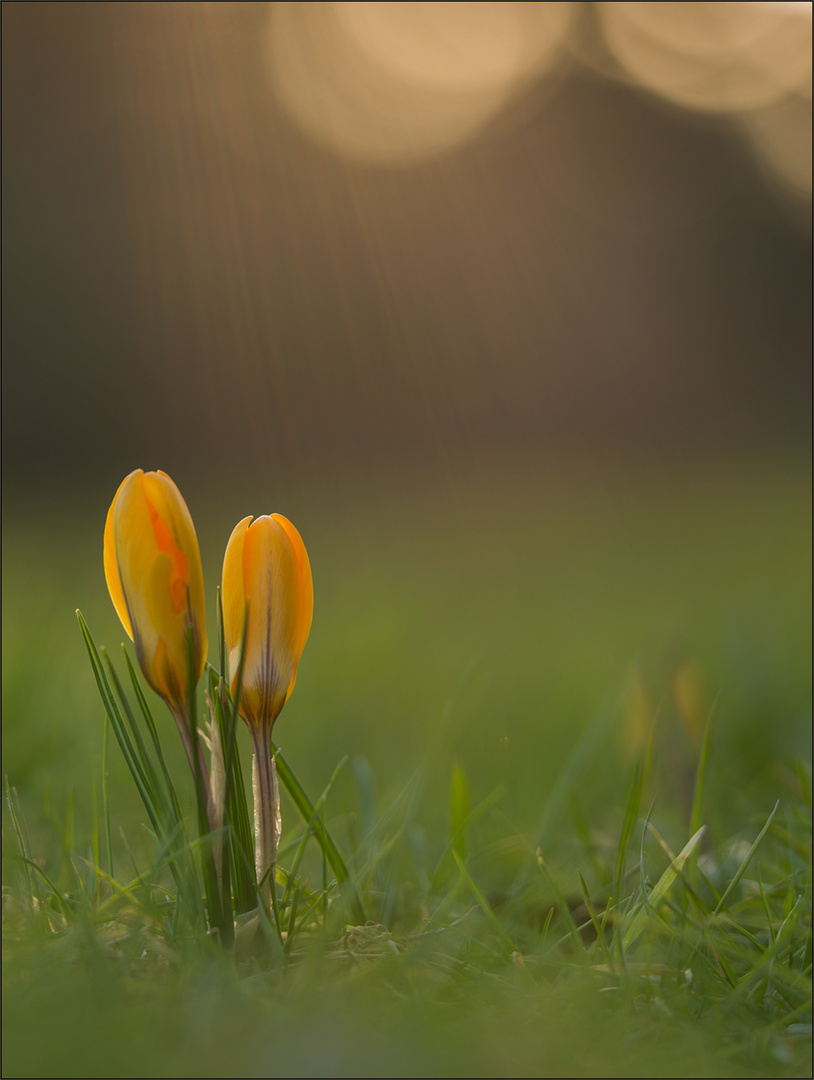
[[714, 56], [396, 82], [460, 46]]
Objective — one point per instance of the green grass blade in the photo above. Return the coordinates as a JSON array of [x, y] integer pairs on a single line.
[[31, 892], [665, 882], [306, 810], [106, 795], [459, 809], [151, 727], [140, 750], [589, 907], [120, 727], [236, 808], [242, 858], [562, 903], [632, 804], [701, 772], [60, 899], [218, 903], [485, 906], [309, 829], [165, 822], [742, 868]]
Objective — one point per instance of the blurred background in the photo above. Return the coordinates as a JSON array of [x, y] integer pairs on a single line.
[[506, 305], [283, 237]]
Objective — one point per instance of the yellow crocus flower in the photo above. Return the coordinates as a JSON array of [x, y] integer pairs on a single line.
[[266, 570], [153, 572], [267, 588]]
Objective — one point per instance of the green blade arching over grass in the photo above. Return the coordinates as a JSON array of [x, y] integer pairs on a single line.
[[309, 829], [306, 808], [646, 912], [485, 906], [742, 868]]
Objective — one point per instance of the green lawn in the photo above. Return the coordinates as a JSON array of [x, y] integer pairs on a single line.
[[511, 659]]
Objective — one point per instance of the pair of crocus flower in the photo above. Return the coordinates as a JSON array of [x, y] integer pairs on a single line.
[[153, 572]]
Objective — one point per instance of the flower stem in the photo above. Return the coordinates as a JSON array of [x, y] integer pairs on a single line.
[[201, 772], [267, 823]]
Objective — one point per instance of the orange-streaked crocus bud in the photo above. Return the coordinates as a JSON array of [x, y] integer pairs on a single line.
[[153, 572], [266, 571], [267, 589]]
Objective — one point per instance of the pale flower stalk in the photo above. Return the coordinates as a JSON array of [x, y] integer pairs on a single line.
[[217, 794], [268, 822]]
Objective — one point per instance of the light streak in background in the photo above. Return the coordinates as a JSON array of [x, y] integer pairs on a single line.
[[400, 82], [300, 307]]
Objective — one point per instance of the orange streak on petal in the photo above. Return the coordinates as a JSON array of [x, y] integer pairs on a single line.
[[179, 576]]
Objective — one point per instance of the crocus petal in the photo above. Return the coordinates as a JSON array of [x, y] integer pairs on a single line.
[[305, 606], [266, 570], [136, 552], [153, 569], [175, 534], [270, 581], [112, 578], [233, 595]]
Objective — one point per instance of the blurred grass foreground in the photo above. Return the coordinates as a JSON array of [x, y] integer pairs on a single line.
[[545, 686]]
